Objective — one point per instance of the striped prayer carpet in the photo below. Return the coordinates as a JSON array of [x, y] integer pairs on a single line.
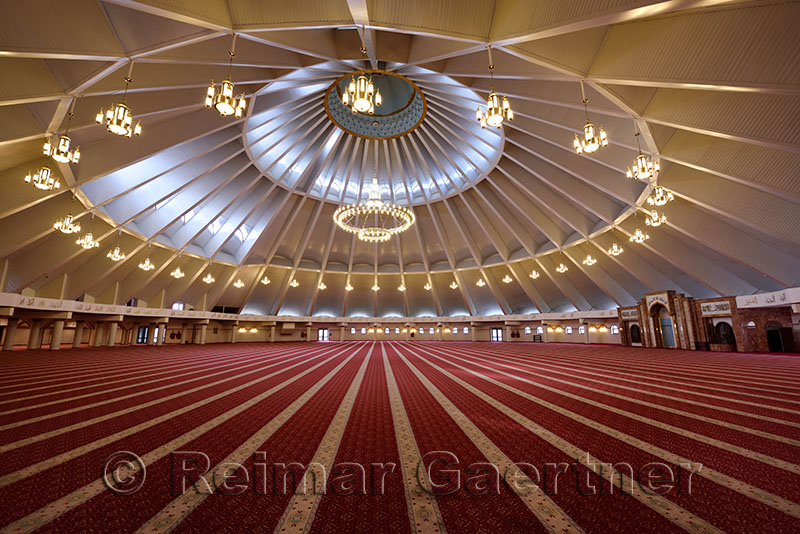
[[394, 437]]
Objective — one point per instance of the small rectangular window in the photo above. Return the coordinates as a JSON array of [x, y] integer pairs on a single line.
[[363, 331], [431, 330], [568, 330], [581, 329], [527, 329], [614, 329], [540, 330], [177, 305], [466, 330], [397, 330], [353, 330], [455, 330], [386, 330]]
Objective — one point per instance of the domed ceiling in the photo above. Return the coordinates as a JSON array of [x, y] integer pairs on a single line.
[[714, 88]]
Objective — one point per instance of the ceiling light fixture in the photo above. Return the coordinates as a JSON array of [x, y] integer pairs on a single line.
[[562, 268], [238, 284], [224, 101], [592, 140], [639, 237], [401, 287], [59, 148], [480, 282], [322, 286], [361, 96], [497, 111], [655, 219], [147, 265], [589, 260], [375, 286], [615, 250], [43, 179], [266, 281], [116, 254], [67, 224], [208, 279], [427, 286], [88, 241], [660, 196], [294, 283], [348, 287], [177, 273], [643, 167], [453, 285], [507, 279], [118, 117], [534, 274], [374, 220]]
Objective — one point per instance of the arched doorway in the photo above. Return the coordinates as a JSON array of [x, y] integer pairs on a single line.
[[663, 326], [774, 338], [636, 334]]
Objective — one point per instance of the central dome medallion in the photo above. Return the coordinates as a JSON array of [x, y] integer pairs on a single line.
[[422, 139]]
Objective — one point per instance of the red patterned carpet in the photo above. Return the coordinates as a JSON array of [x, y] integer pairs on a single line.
[[515, 438]]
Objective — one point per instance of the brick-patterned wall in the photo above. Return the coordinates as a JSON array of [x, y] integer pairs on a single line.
[[755, 339]]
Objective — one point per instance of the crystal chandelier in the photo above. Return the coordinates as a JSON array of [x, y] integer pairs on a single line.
[[266, 281], [654, 219], [643, 167], [374, 220], [208, 279], [589, 260], [238, 284], [453, 285], [224, 101], [639, 237], [88, 241], [480, 282], [67, 225], [118, 117], [592, 140], [660, 196], [361, 96], [507, 279], [177, 273], [496, 111], [116, 254], [348, 287], [147, 265], [59, 148], [43, 179], [534, 274], [615, 250], [294, 283], [562, 268], [322, 286]]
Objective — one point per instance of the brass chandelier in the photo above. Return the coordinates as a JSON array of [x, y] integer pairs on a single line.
[[592, 139], [116, 254], [361, 95], [615, 250], [497, 111], [43, 179], [639, 237], [223, 100], [88, 241], [67, 225], [60, 148], [643, 168], [655, 219], [177, 273], [118, 118], [660, 196], [374, 220]]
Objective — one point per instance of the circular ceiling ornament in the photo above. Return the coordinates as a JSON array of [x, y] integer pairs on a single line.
[[402, 105]]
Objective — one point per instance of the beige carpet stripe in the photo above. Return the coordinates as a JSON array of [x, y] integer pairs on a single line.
[[106, 417], [179, 508], [256, 358], [302, 507], [678, 399], [58, 507], [152, 371], [727, 424], [741, 451], [757, 494], [129, 396], [549, 514], [423, 511]]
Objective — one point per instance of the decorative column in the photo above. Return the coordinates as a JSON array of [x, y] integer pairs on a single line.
[[96, 335], [308, 333], [271, 334], [134, 334], [58, 332], [203, 329], [35, 335], [11, 333], [473, 330], [586, 333], [544, 333], [112, 334], [162, 330], [77, 338], [233, 333], [184, 332], [151, 335]]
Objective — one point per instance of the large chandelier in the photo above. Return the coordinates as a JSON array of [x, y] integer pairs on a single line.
[[177, 273], [208, 279], [88, 241], [59, 148], [480, 282], [589, 260], [238, 284], [147, 265], [67, 224], [534, 274], [639, 237], [43, 179], [361, 96], [497, 111], [562, 268], [655, 219], [660, 196], [643, 167], [224, 101], [374, 220], [615, 250], [118, 118], [592, 140]]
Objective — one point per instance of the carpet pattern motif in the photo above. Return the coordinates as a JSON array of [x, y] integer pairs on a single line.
[[424, 437]]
